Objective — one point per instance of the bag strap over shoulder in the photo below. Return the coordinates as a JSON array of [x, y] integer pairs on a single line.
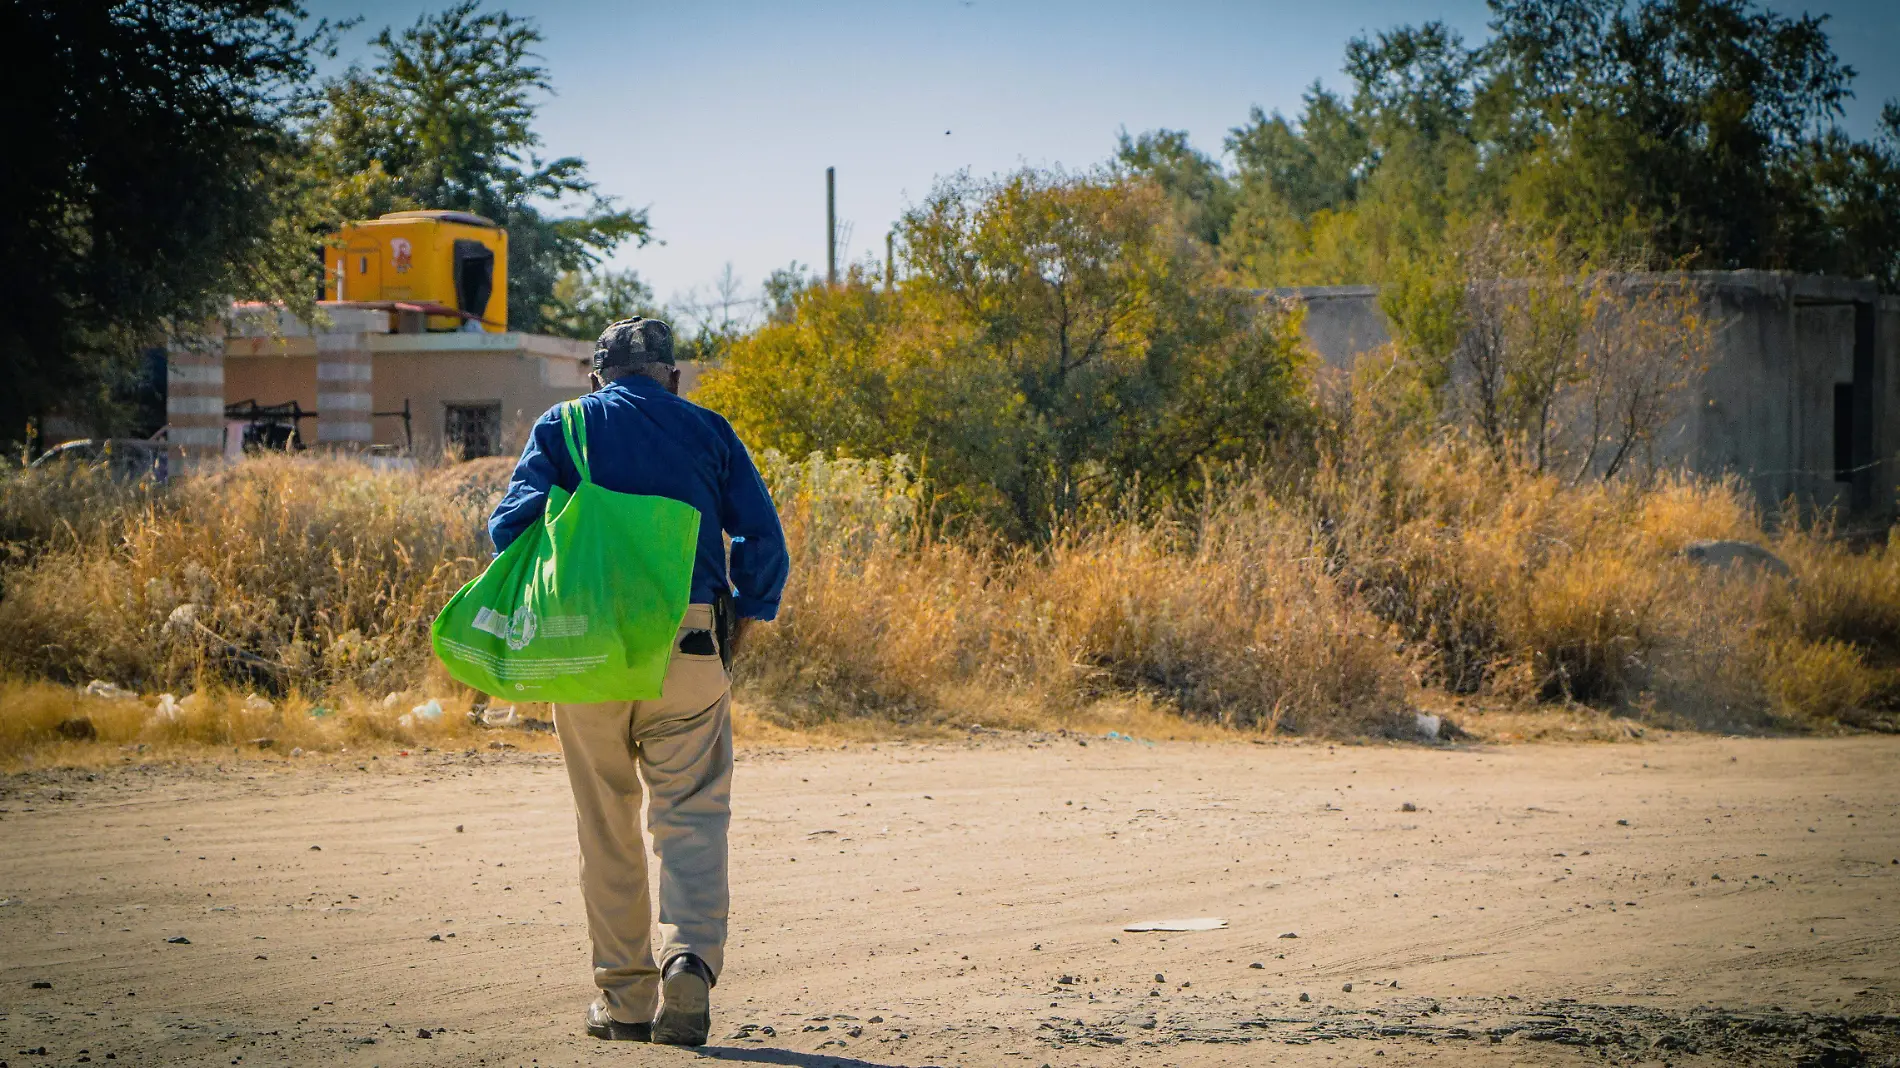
[[574, 429]]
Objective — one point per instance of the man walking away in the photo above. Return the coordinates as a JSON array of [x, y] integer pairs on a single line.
[[643, 438]]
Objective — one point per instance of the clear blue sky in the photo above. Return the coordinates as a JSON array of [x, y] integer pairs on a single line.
[[720, 118]]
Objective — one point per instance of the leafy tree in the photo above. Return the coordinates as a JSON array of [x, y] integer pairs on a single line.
[[445, 119], [1692, 115], [1694, 132], [1056, 343], [1200, 191], [1856, 186], [779, 294], [144, 186], [585, 302], [1419, 80], [1313, 167]]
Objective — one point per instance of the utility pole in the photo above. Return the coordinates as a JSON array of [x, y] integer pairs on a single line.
[[831, 226], [890, 260]]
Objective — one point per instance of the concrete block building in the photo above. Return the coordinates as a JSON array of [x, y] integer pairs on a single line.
[[1801, 399], [360, 383]]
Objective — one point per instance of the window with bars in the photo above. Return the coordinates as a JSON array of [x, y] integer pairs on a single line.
[[473, 430]]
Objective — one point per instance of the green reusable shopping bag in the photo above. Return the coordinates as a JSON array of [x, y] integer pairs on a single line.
[[582, 607]]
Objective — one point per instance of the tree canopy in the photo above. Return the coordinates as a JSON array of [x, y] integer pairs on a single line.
[[1058, 341], [143, 184], [1702, 133]]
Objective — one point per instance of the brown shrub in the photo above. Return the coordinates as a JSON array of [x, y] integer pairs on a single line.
[[279, 572]]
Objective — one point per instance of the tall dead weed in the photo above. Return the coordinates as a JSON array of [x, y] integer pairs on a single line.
[[1324, 597]]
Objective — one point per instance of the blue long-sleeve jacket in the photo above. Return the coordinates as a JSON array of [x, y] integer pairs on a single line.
[[643, 439]]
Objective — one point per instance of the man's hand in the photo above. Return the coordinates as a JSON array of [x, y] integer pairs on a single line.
[[740, 626]]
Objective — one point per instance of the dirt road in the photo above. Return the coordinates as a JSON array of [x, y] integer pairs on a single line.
[[1687, 902]]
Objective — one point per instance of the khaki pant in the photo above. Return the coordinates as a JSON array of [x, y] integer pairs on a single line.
[[681, 745]]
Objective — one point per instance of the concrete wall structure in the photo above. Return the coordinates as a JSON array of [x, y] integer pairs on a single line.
[[1341, 321], [344, 374], [194, 402], [1798, 359], [358, 376]]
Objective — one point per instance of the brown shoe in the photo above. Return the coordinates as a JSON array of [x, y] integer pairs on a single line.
[[601, 1024]]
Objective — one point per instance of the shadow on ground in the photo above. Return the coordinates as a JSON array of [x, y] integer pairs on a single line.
[[767, 1055]]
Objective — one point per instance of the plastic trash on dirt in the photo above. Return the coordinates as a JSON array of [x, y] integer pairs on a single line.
[[109, 691], [1427, 726], [1203, 923], [428, 712], [504, 716], [167, 710]]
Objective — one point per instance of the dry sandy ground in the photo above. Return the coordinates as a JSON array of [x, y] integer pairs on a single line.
[[1707, 901]]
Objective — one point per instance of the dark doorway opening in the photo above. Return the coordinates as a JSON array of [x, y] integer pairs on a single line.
[[474, 276], [1844, 432]]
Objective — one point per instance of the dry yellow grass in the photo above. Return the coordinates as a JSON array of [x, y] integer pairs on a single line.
[[39, 728], [1228, 619], [1331, 599], [283, 572], [44, 724]]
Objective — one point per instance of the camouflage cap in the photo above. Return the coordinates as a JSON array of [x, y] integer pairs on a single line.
[[634, 342]]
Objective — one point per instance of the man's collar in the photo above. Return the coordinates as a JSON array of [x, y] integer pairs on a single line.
[[638, 385]]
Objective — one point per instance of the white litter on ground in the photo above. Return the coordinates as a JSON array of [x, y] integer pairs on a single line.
[[1204, 923]]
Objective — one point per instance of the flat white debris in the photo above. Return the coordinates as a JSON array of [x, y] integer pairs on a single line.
[[1204, 923]]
